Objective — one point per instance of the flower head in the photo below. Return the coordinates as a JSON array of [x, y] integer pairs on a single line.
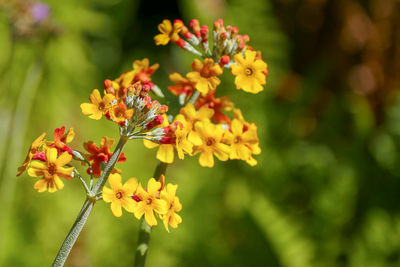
[[149, 202], [119, 113], [244, 141], [249, 72], [120, 195], [210, 138], [51, 171], [205, 75], [169, 32], [168, 193], [98, 106]]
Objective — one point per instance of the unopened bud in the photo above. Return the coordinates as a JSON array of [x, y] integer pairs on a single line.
[[224, 60]]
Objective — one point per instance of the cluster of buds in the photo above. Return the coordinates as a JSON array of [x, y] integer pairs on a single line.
[[127, 101], [29, 18]]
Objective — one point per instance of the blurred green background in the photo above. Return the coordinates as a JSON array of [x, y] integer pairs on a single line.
[[325, 191]]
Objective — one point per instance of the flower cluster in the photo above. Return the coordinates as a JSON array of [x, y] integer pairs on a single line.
[[157, 199], [203, 123]]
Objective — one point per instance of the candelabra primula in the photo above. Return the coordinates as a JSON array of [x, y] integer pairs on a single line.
[[206, 125]]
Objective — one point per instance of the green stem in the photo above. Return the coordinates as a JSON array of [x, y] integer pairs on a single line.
[[145, 229], [74, 233], [87, 207]]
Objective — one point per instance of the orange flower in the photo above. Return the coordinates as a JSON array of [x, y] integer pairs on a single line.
[[119, 113], [205, 75], [37, 143], [183, 85], [98, 155], [218, 105]]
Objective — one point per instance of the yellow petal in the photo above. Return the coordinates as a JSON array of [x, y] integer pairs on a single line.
[[149, 144], [153, 186], [108, 194], [130, 186], [206, 158], [166, 153], [149, 217], [40, 185], [115, 181], [51, 155], [129, 204], [116, 208], [63, 159]]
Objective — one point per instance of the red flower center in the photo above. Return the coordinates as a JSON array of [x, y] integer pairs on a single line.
[[118, 195]]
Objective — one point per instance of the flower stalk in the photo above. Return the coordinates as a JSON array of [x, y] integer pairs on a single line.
[[87, 207], [145, 229]]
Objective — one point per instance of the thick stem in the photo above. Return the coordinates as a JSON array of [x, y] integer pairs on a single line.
[[145, 229], [73, 233], [87, 207]]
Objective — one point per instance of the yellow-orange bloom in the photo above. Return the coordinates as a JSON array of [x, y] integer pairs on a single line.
[[169, 32], [119, 113], [182, 145], [150, 202], [98, 106], [51, 171], [211, 137], [168, 193], [249, 72], [120, 195], [243, 140], [36, 144], [205, 75], [192, 115]]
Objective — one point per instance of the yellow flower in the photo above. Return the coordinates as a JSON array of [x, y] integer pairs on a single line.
[[211, 137], [165, 152], [171, 218], [37, 143], [182, 144], [192, 115], [205, 75], [119, 113], [150, 202], [249, 72], [98, 107], [243, 140], [168, 33], [51, 171], [120, 195]]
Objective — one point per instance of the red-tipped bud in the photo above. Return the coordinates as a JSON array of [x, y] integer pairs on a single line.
[[178, 21], [235, 30], [107, 84], [154, 123], [185, 32], [195, 26], [204, 32], [146, 88], [246, 38], [168, 140], [266, 72], [219, 23], [224, 60], [181, 43], [224, 35]]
